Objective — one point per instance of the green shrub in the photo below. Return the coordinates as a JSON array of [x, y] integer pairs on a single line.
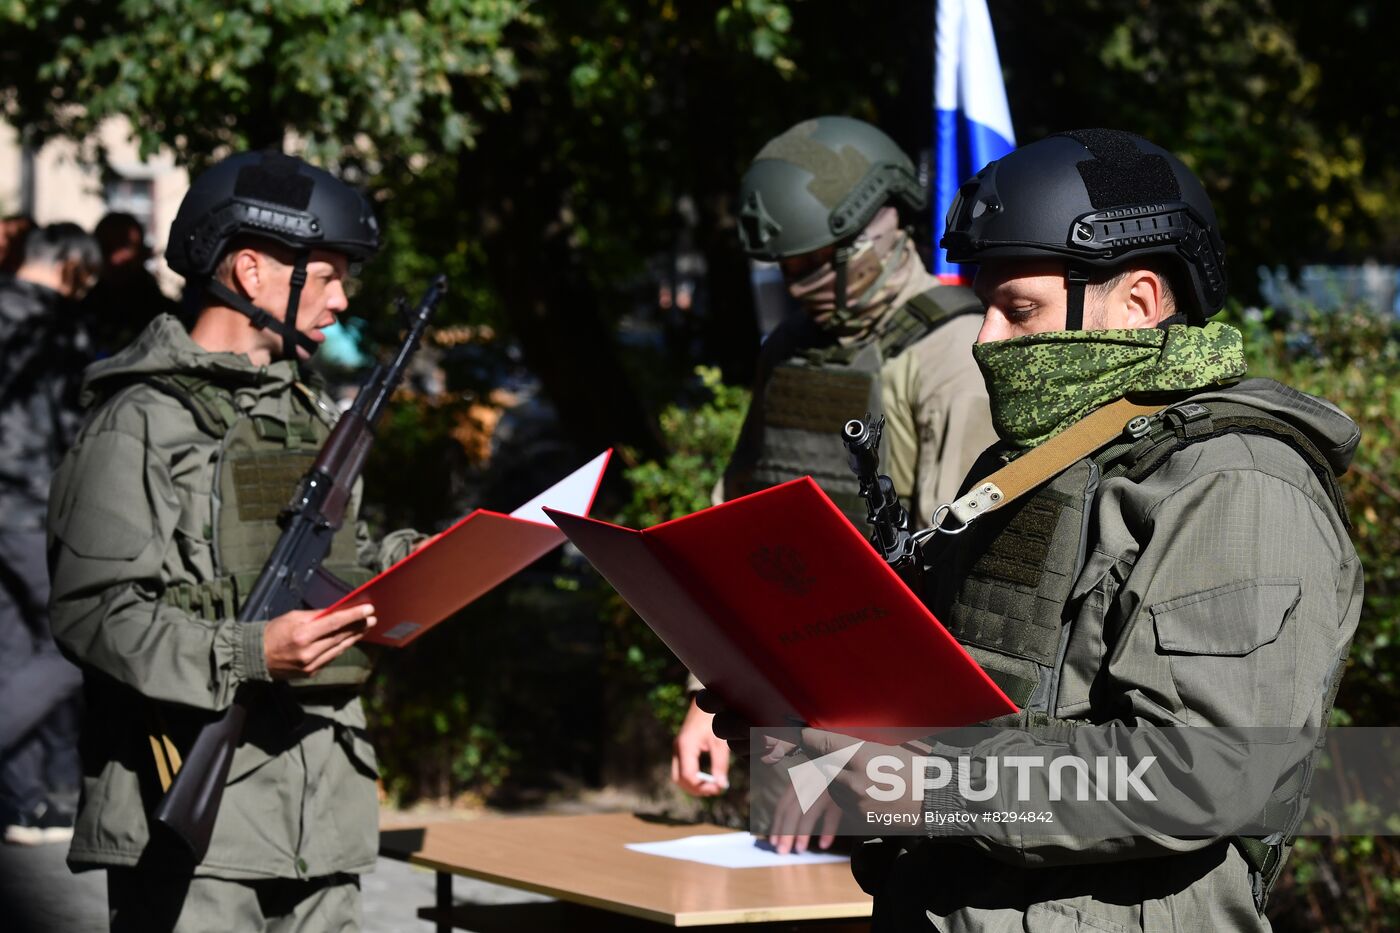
[[646, 682]]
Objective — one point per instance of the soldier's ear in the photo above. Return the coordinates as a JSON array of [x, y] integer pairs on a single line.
[[249, 272], [1145, 299]]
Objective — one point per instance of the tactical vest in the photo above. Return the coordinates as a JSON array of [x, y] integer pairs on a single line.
[[810, 396], [1015, 569], [259, 464]]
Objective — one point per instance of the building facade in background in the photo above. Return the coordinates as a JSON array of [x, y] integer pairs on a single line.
[[55, 183]]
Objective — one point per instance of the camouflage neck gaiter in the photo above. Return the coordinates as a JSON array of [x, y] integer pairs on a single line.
[[882, 262], [1041, 384]]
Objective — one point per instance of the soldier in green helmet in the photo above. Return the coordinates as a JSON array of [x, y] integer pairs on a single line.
[[879, 334], [160, 520], [1181, 577]]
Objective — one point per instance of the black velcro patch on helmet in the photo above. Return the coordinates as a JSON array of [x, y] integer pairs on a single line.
[[1120, 173], [275, 180]]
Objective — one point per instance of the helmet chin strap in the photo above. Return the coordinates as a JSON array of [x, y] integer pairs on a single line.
[[839, 261], [1076, 278], [291, 337], [287, 328]]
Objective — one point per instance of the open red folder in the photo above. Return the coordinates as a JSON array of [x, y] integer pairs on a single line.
[[776, 602], [470, 558]]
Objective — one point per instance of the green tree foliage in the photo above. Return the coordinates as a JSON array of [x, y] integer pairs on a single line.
[[699, 437], [540, 148], [646, 681], [356, 80], [1280, 106]]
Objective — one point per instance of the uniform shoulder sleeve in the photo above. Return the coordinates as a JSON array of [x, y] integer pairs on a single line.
[[112, 519], [1239, 600], [98, 506], [952, 418]]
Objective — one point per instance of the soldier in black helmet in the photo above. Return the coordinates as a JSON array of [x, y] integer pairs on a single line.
[[879, 334], [1170, 583], [161, 517]]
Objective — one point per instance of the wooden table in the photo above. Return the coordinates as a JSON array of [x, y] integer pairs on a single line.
[[582, 861]]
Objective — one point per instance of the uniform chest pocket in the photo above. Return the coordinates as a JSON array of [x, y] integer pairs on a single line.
[[1232, 660], [1230, 620]]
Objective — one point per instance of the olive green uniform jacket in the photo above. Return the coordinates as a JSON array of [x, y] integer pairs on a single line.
[[130, 515], [1220, 590]]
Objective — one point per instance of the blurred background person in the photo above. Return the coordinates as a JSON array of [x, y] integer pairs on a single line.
[[13, 230], [126, 296], [43, 351]]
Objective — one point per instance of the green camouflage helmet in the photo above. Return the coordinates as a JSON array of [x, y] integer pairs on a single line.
[[819, 183]]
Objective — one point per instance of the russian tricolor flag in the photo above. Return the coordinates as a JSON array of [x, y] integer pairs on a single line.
[[973, 123]]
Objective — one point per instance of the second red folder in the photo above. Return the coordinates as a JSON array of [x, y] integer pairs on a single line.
[[777, 603], [472, 557]]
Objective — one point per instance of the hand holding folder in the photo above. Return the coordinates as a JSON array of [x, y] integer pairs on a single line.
[[470, 558], [778, 604]]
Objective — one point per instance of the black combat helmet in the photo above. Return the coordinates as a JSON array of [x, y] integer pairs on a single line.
[[820, 183], [1094, 198], [274, 197]]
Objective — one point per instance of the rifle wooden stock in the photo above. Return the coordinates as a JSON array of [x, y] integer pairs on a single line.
[[191, 805]]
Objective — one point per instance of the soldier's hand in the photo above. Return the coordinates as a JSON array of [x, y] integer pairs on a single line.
[[796, 830], [735, 729], [302, 641], [724, 722], [696, 737]]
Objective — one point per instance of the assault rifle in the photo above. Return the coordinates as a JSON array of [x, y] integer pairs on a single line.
[[888, 519], [291, 579]]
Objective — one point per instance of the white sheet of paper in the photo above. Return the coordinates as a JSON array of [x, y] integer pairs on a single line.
[[573, 494], [731, 850]]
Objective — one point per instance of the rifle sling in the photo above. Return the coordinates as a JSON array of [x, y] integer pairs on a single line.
[[167, 756], [1036, 466]]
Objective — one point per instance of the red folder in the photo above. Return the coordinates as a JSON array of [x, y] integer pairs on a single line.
[[776, 602], [470, 558]]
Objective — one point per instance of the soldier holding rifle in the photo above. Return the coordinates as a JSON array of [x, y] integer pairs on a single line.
[[161, 519]]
